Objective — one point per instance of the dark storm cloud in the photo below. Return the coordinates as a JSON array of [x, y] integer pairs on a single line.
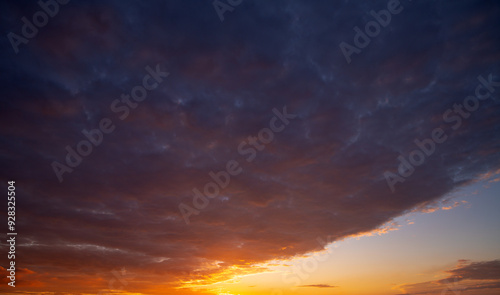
[[323, 175]]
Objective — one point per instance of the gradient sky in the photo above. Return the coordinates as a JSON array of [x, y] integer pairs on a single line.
[[312, 213]]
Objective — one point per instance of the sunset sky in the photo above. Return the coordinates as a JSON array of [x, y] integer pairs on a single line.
[[238, 147]]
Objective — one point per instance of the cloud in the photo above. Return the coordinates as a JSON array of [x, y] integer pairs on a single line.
[[485, 270], [466, 276], [322, 176], [319, 286]]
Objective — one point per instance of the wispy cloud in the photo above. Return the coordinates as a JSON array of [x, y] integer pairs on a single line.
[[319, 286], [466, 276]]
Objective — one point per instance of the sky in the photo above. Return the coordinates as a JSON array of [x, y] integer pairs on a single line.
[[237, 147]]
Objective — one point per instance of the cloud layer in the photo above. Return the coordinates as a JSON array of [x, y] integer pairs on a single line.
[[466, 276], [321, 176]]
